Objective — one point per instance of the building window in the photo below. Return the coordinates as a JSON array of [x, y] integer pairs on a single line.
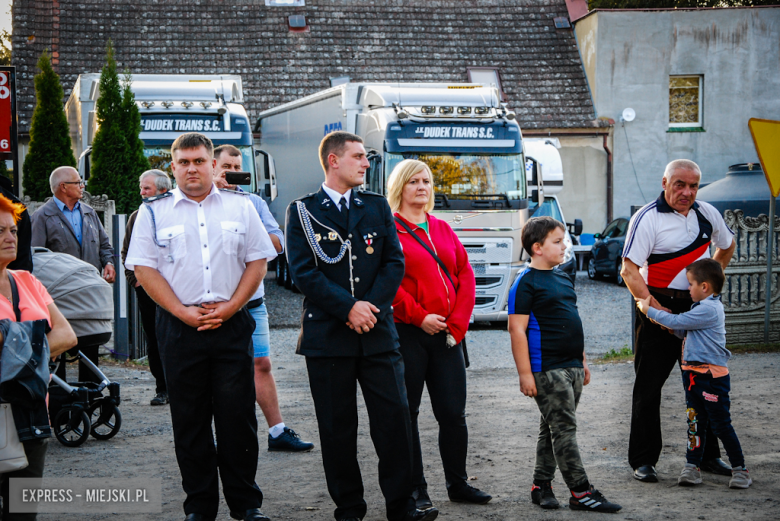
[[285, 3], [487, 75], [297, 23], [685, 101]]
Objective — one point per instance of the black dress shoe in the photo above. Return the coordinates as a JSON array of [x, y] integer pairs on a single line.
[[421, 499], [646, 474], [422, 515], [198, 517], [253, 514], [465, 493], [716, 466]]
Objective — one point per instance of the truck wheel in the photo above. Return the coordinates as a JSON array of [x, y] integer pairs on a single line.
[[281, 268], [592, 268], [288, 283]]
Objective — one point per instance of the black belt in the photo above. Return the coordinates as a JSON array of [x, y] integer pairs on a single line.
[[669, 292], [256, 303]]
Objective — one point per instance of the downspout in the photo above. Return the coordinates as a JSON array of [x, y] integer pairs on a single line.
[[609, 179]]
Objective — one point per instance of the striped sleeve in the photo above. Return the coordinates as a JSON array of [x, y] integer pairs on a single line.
[[640, 236]]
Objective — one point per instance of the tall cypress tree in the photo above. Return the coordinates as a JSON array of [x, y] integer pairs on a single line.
[[50, 145], [109, 145], [135, 162]]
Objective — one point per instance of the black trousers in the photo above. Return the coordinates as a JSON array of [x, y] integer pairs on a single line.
[[333, 387], [210, 374], [89, 346], [148, 309], [428, 361], [657, 351], [35, 450]]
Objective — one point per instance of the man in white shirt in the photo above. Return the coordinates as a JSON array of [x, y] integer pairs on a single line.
[[200, 254], [663, 238]]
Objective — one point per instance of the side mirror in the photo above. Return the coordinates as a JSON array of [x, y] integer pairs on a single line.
[[535, 196], [266, 171], [577, 226]]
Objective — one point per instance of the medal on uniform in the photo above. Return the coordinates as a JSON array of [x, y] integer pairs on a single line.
[[369, 248], [332, 236]]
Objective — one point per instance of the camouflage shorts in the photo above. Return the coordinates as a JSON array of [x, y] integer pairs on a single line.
[[558, 393]]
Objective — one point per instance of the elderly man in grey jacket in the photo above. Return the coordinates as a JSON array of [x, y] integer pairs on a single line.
[[66, 225]]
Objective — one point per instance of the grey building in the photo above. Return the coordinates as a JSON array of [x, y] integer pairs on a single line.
[[693, 78], [287, 51]]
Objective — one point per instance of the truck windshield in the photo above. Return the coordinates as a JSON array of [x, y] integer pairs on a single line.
[[160, 158], [456, 175]]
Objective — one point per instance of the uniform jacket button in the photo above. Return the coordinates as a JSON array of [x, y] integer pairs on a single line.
[[357, 279], [310, 315]]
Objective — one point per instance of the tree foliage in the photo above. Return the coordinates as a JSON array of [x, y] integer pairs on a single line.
[[50, 145], [117, 152], [667, 4], [5, 47]]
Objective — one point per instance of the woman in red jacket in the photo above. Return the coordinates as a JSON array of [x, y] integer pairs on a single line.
[[432, 315]]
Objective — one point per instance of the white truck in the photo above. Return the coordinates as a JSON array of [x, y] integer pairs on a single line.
[[170, 105], [470, 140]]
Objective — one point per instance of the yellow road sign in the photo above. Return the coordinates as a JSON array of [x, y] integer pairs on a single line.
[[766, 137]]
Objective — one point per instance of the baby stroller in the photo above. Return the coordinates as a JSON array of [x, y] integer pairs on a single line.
[[78, 409], [81, 409]]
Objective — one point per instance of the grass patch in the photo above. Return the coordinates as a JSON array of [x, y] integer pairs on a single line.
[[624, 354], [771, 347]]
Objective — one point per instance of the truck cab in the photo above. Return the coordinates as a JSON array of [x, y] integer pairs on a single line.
[[470, 140], [170, 105]]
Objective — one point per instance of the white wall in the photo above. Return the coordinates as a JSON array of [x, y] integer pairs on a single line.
[[628, 58]]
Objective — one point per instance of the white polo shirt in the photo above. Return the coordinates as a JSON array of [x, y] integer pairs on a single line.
[[201, 248], [658, 229]]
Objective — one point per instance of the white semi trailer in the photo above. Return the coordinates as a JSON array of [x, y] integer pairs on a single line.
[[170, 105], [470, 140]]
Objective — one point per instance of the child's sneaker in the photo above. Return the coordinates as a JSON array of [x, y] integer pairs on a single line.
[[592, 500], [740, 478], [690, 475], [543, 496]]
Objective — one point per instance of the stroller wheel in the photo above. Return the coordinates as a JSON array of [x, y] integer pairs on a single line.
[[71, 427], [106, 420]]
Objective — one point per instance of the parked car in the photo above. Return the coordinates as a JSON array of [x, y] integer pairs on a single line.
[[606, 253]]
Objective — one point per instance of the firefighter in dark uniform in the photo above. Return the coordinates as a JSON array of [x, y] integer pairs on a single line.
[[345, 257]]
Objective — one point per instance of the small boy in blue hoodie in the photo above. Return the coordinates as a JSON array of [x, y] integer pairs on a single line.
[[705, 375]]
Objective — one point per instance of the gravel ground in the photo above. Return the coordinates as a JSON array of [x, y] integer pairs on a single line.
[[604, 310]]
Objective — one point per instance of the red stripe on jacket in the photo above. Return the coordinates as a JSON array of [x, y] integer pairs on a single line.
[[661, 274], [425, 288]]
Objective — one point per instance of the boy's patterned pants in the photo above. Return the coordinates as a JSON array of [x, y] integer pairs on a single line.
[[558, 393]]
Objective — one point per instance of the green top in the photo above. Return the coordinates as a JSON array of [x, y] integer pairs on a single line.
[[424, 226]]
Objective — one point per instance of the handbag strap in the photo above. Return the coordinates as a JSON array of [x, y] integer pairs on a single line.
[[428, 248], [15, 297]]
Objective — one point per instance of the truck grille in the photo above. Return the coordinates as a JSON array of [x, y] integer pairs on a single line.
[[487, 281], [484, 301]]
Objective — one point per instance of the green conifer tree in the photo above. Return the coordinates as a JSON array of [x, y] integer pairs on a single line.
[[50, 145], [109, 148]]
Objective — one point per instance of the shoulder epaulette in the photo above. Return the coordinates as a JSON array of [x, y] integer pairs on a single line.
[[229, 191], [368, 192], [307, 196], [157, 197]]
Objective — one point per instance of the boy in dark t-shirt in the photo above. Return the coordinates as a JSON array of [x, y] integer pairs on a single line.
[[548, 347]]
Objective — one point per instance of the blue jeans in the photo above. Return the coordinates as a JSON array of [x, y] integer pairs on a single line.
[[708, 404], [261, 336]]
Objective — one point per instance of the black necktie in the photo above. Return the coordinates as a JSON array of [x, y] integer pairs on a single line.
[[344, 209]]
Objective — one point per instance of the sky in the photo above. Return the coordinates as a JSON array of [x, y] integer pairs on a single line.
[[5, 17]]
